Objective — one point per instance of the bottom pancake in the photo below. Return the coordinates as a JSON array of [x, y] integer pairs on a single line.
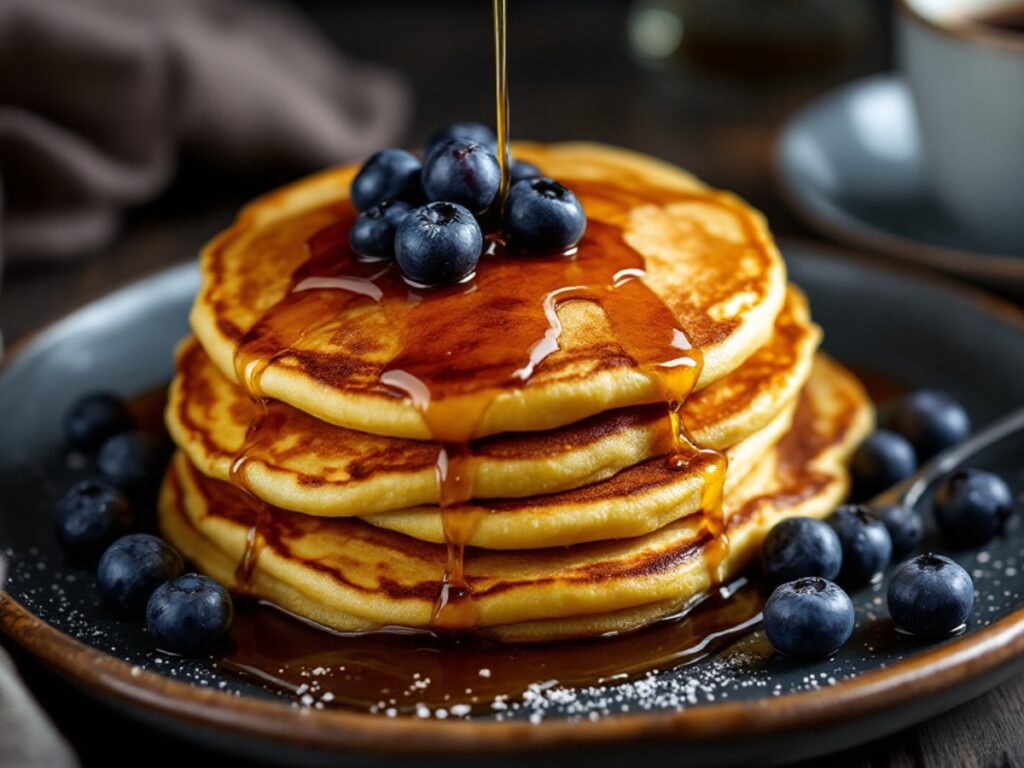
[[351, 576]]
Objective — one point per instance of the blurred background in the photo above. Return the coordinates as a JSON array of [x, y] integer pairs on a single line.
[[131, 131]]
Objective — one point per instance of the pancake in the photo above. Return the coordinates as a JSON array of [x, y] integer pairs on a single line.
[[348, 575], [303, 464], [637, 500], [710, 266]]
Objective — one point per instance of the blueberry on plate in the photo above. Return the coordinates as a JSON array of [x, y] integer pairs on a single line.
[[930, 596], [461, 172], [522, 170], [799, 547], [90, 516], [971, 506], [129, 460], [882, 460], [372, 235], [906, 528], [438, 243], [391, 174], [189, 615], [809, 618], [476, 132], [134, 566], [94, 418], [542, 215], [867, 546], [931, 421]]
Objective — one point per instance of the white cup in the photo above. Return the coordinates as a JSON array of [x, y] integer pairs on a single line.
[[967, 81]]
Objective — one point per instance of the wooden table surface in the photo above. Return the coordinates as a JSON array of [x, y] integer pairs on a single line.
[[571, 77]]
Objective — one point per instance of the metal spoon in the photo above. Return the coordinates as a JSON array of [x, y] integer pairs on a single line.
[[910, 491]]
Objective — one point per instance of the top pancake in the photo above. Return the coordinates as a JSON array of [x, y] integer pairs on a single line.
[[707, 256]]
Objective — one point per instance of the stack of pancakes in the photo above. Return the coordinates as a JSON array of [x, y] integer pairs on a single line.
[[315, 472]]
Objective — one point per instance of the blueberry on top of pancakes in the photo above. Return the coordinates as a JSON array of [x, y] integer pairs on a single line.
[[438, 243], [391, 174], [543, 215], [461, 172], [470, 131], [373, 233]]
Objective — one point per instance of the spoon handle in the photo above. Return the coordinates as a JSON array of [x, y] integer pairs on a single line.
[[910, 491]]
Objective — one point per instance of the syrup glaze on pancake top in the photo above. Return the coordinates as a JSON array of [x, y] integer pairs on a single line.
[[531, 341], [712, 279], [297, 462]]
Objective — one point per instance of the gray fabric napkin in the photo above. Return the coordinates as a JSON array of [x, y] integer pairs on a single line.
[[27, 737], [99, 97]]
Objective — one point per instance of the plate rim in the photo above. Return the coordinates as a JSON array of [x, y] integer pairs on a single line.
[[836, 223], [931, 672]]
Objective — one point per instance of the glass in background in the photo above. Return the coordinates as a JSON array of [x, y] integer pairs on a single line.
[[748, 38], [750, 50]]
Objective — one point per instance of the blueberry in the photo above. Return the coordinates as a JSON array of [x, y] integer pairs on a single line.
[[800, 547], [129, 460], [94, 418], [134, 566], [189, 615], [867, 546], [971, 506], [90, 516], [931, 421], [810, 618], [391, 174], [906, 529], [438, 243], [521, 170], [882, 460], [372, 235], [930, 596], [475, 132], [461, 172], [542, 215]]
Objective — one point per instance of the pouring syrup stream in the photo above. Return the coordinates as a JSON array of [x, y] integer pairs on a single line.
[[501, 97]]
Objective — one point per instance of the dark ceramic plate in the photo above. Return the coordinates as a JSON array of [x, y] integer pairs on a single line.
[[853, 165], [739, 705]]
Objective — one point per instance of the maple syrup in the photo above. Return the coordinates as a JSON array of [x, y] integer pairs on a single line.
[[406, 669], [501, 101], [452, 370], [248, 370]]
